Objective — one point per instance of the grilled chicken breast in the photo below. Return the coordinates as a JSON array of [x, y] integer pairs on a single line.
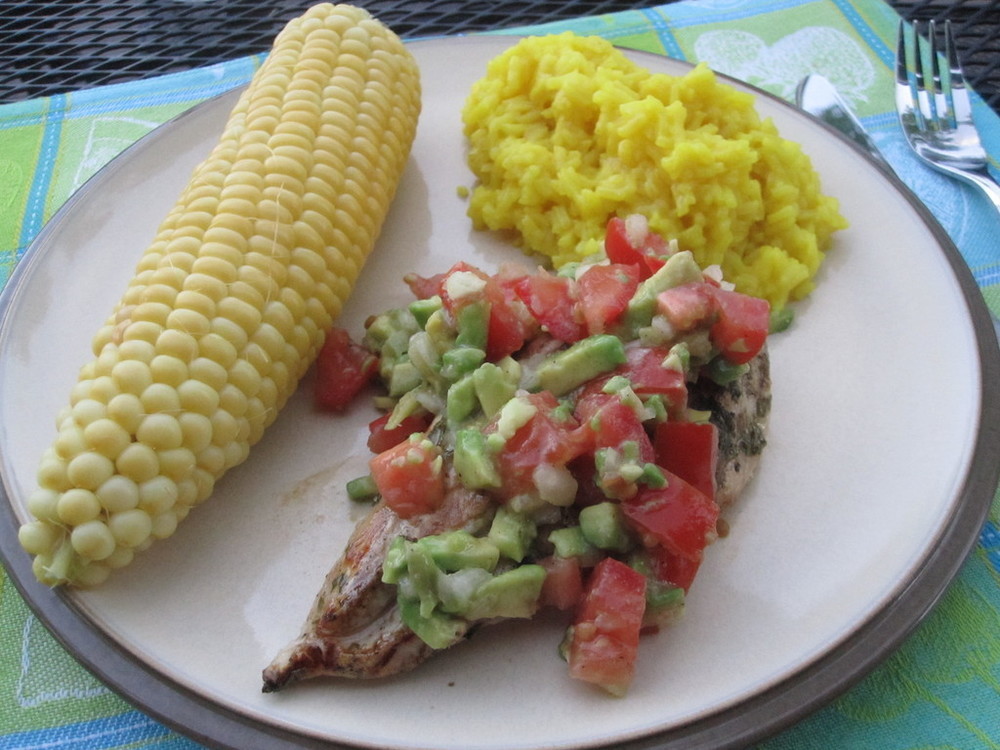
[[354, 629]]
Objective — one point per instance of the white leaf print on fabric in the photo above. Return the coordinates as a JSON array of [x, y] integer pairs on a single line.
[[779, 68]]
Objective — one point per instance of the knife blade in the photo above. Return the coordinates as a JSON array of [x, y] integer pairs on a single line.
[[820, 98]]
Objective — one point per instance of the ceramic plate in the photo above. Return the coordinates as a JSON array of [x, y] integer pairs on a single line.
[[877, 477]]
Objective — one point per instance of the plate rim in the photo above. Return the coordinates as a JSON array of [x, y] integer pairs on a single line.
[[197, 716]]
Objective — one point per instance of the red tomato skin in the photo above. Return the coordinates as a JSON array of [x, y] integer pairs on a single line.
[[409, 477], [674, 569], [688, 305], [563, 585], [645, 258], [553, 301], [343, 369], [542, 439], [605, 635], [678, 516], [612, 423], [604, 293], [382, 439], [425, 287], [742, 325], [644, 369], [691, 451]]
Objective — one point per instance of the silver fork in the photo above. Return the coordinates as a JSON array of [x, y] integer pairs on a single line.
[[937, 118]]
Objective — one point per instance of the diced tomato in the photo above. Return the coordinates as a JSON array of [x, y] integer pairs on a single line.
[[543, 439], [644, 369], [409, 476], [674, 569], [563, 585], [552, 300], [424, 287], [646, 254], [604, 293], [382, 439], [605, 634], [688, 305], [678, 516], [741, 328], [690, 450], [343, 368], [613, 423], [509, 326]]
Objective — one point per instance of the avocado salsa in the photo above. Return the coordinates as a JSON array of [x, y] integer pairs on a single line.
[[563, 397]]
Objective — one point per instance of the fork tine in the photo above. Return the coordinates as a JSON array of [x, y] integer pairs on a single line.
[[961, 106], [905, 101], [925, 104], [939, 103]]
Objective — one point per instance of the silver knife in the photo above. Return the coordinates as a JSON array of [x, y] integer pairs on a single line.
[[820, 98]]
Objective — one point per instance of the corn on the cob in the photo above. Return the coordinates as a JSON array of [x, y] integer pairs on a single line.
[[231, 301]]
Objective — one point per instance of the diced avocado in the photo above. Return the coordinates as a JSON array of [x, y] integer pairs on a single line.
[[781, 320], [459, 361], [652, 476], [661, 596], [362, 488], [723, 372], [493, 388], [425, 357], [422, 573], [680, 268], [422, 309], [437, 629], [473, 322], [402, 377], [584, 360], [679, 357], [394, 566], [473, 461], [569, 541], [656, 406], [455, 590], [664, 600], [604, 526], [513, 416], [381, 328], [456, 550], [407, 405], [439, 328], [464, 284], [511, 594], [461, 402], [512, 533]]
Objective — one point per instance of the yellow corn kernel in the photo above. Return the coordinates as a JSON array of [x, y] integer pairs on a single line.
[[229, 303]]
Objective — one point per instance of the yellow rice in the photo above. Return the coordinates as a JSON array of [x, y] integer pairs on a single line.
[[565, 132]]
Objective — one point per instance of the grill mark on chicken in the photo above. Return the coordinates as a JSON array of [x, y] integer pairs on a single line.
[[354, 629], [740, 411]]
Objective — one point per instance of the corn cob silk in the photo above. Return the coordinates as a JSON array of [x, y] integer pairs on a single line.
[[233, 298]]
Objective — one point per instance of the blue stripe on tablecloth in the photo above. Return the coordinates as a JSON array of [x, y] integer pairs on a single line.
[[694, 14], [34, 213], [128, 729], [886, 54], [664, 34]]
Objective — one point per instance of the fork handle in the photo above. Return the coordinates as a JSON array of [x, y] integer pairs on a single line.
[[986, 183]]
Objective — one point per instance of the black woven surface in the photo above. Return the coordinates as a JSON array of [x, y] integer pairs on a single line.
[[54, 46]]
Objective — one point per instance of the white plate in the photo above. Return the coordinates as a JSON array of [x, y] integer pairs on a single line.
[[876, 479]]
